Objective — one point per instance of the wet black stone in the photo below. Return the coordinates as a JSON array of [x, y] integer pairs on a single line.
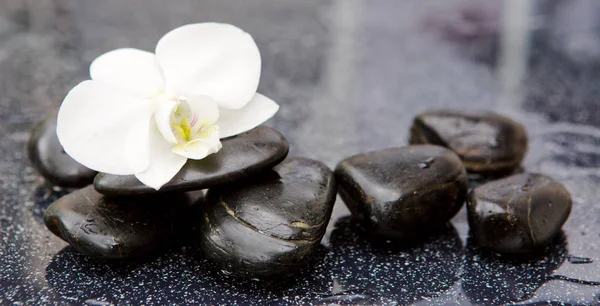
[[50, 160], [486, 142], [241, 156], [268, 226], [518, 214], [118, 228], [403, 192]]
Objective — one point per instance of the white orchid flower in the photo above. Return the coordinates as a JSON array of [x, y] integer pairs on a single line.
[[146, 114]]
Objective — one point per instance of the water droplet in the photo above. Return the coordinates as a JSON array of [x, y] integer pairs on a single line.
[[579, 260], [336, 287], [95, 302], [427, 163], [374, 219], [225, 272]]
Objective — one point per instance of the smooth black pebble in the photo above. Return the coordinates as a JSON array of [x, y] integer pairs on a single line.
[[50, 160], [269, 225], [118, 227], [403, 193], [486, 142], [241, 156], [518, 214]]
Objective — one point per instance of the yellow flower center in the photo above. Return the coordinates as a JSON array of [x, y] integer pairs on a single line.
[[182, 127]]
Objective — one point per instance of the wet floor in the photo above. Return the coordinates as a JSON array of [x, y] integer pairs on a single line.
[[350, 75]]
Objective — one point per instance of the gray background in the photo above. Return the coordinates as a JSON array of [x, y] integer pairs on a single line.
[[350, 75]]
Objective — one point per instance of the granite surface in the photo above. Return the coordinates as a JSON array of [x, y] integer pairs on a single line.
[[350, 75]]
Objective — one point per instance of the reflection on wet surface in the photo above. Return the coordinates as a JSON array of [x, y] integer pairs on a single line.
[[389, 273], [350, 76], [490, 279], [349, 270]]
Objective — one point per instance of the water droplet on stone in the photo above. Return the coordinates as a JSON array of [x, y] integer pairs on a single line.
[[427, 163], [374, 219], [579, 260], [225, 272]]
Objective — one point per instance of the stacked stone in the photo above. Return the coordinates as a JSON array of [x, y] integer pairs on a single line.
[[262, 216]]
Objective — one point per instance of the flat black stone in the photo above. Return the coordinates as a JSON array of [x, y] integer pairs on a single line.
[[403, 192], [118, 228], [486, 142], [518, 214], [269, 225], [241, 156], [50, 160]]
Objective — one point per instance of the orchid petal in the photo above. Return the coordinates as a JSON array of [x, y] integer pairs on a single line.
[[164, 164], [212, 59], [204, 112], [132, 70], [206, 142], [105, 129], [257, 111], [163, 116]]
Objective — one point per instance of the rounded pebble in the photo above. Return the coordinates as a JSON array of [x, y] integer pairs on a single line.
[[403, 192], [518, 214], [118, 228], [269, 225], [51, 161], [486, 142]]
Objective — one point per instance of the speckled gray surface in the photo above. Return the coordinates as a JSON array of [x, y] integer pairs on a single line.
[[350, 75]]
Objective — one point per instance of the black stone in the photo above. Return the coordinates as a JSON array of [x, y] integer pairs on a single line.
[[268, 226], [403, 192], [486, 142], [241, 156], [518, 214], [118, 228], [50, 160]]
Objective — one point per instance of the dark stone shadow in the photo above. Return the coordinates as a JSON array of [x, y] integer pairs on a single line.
[[476, 180], [180, 276], [307, 285], [367, 272], [352, 271], [492, 279]]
